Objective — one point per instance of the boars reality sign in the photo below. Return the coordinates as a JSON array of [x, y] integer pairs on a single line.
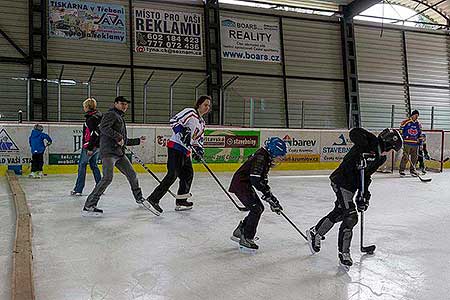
[[250, 40]]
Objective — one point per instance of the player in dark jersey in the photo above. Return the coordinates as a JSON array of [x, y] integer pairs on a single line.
[[346, 181], [250, 176]]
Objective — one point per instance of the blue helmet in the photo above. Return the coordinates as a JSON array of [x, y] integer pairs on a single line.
[[276, 147]]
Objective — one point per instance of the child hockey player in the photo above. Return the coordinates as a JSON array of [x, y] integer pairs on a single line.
[[250, 176], [346, 180], [188, 130], [423, 152], [38, 142]]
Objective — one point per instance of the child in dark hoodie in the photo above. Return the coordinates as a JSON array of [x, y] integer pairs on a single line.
[[38, 146]]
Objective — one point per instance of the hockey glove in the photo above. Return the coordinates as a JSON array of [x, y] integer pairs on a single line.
[[185, 136], [198, 153], [275, 205], [361, 203]]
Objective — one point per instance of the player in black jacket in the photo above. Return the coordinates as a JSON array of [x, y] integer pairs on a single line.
[[250, 176], [346, 181]]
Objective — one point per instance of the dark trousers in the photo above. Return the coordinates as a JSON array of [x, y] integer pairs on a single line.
[[252, 202], [421, 160], [125, 167], [178, 166], [344, 211], [37, 162]]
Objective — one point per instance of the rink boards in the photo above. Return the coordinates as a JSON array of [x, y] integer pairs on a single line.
[[225, 148]]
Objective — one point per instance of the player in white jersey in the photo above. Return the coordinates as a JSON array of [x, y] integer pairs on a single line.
[[188, 129]]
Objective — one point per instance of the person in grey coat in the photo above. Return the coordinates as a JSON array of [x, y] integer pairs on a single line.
[[113, 139]]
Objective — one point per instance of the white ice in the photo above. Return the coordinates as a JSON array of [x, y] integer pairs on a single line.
[[132, 254], [7, 226]]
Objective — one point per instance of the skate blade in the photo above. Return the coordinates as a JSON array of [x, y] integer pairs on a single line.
[[150, 208], [181, 208], [237, 240], [91, 214], [343, 268], [246, 250]]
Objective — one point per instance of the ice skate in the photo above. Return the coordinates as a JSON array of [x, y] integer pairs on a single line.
[[247, 245], [73, 193], [236, 236], [183, 204], [92, 212], [345, 261], [153, 207], [314, 240], [423, 171], [402, 173]]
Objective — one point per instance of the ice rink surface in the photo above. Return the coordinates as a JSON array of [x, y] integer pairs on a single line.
[[7, 226], [131, 254]]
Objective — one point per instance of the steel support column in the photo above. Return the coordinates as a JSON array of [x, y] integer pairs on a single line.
[[350, 73], [213, 60], [37, 10]]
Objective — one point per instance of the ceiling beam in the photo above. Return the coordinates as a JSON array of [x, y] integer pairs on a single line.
[[356, 7]]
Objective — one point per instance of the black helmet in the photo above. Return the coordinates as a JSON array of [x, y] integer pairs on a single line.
[[390, 139]]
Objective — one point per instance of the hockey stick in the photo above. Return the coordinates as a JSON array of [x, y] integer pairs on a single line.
[[365, 249], [417, 173], [440, 161], [293, 225], [149, 171], [240, 208]]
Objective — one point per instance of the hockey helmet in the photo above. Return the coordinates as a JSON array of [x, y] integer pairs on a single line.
[[276, 147], [390, 139]]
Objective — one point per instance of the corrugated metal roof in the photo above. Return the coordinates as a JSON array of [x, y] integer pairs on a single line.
[[439, 13]]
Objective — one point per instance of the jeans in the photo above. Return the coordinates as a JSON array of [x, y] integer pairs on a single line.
[[125, 167], [85, 159]]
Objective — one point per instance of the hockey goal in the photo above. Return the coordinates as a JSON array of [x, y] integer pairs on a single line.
[[435, 141]]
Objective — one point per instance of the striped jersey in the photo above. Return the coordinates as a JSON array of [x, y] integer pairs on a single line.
[[411, 132], [190, 119]]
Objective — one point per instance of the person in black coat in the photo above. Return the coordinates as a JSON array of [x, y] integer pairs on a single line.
[[113, 139]]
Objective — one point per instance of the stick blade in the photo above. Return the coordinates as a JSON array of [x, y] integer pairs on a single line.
[[424, 179]]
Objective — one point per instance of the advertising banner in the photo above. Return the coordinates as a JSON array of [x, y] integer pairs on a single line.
[[302, 146], [167, 32], [250, 40], [79, 20], [230, 146], [14, 144], [334, 145]]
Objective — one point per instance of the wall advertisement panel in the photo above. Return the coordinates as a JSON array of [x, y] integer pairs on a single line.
[[250, 40], [334, 145], [14, 145], [167, 32], [303, 146], [79, 20], [230, 146]]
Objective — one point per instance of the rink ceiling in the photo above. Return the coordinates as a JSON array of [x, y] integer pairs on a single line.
[[313, 62]]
